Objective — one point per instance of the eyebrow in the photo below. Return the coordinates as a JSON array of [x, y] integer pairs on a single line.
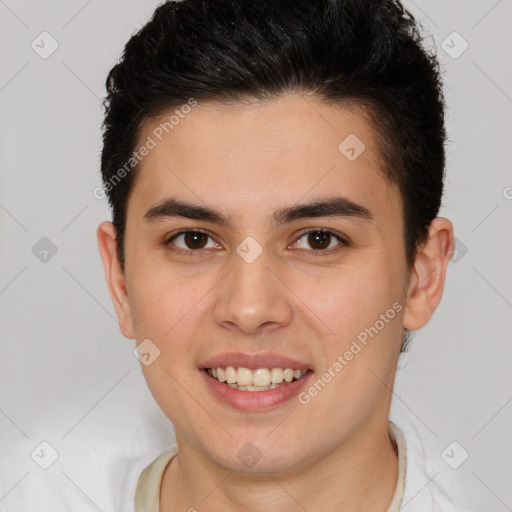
[[329, 207]]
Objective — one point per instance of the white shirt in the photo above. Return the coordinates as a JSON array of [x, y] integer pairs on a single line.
[[144, 491], [109, 482]]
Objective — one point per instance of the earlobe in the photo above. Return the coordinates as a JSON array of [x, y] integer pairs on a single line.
[[115, 276], [428, 275]]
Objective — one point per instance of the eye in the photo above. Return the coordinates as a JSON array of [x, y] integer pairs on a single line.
[[321, 241], [191, 240]]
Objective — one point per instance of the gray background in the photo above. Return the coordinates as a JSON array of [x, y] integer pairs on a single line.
[[69, 378]]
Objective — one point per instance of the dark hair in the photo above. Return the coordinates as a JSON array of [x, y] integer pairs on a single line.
[[366, 54]]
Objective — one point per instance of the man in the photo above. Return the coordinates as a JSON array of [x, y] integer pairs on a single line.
[[275, 170]]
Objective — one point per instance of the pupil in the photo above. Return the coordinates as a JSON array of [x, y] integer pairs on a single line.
[[195, 238], [319, 238]]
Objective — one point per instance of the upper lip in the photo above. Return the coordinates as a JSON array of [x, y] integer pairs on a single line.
[[253, 361]]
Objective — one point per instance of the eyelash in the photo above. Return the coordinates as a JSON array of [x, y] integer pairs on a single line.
[[314, 252]]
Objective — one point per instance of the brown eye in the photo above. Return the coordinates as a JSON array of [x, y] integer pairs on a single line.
[[320, 241], [191, 240], [195, 240]]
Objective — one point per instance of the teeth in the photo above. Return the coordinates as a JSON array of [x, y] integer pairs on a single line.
[[288, 375], [230, 375], [255, 380], [254, 388], [244, 377], [261, 377], [276, 375]]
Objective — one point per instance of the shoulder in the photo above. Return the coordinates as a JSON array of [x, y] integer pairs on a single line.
[[423, 489], [148, 482]]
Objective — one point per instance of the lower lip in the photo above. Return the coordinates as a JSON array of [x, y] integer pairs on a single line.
[[255, 400]]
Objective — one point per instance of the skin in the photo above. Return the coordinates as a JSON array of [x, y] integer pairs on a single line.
[[248, 161]]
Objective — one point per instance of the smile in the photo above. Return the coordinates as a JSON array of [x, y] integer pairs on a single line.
[[260, 379]]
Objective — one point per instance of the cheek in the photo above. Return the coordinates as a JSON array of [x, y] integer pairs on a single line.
[[361, 306], [159, 298], [360, 358], [164, 316], [348, 299], [164, 312], [168, 309]]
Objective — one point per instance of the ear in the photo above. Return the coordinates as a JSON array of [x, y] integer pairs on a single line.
[[428, 275], [115, 276]]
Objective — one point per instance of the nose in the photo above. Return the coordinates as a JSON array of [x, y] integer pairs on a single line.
[[253, 297]]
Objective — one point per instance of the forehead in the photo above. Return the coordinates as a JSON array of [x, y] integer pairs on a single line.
[[262, 155]]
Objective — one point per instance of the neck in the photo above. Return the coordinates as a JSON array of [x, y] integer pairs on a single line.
[[357, 476]]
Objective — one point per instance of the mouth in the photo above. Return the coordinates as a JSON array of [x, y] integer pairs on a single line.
[[260, 379]]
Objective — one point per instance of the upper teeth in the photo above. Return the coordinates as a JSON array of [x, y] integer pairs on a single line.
[[260, 377]]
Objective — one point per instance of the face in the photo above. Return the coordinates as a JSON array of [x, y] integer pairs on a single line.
[[249, 276]]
